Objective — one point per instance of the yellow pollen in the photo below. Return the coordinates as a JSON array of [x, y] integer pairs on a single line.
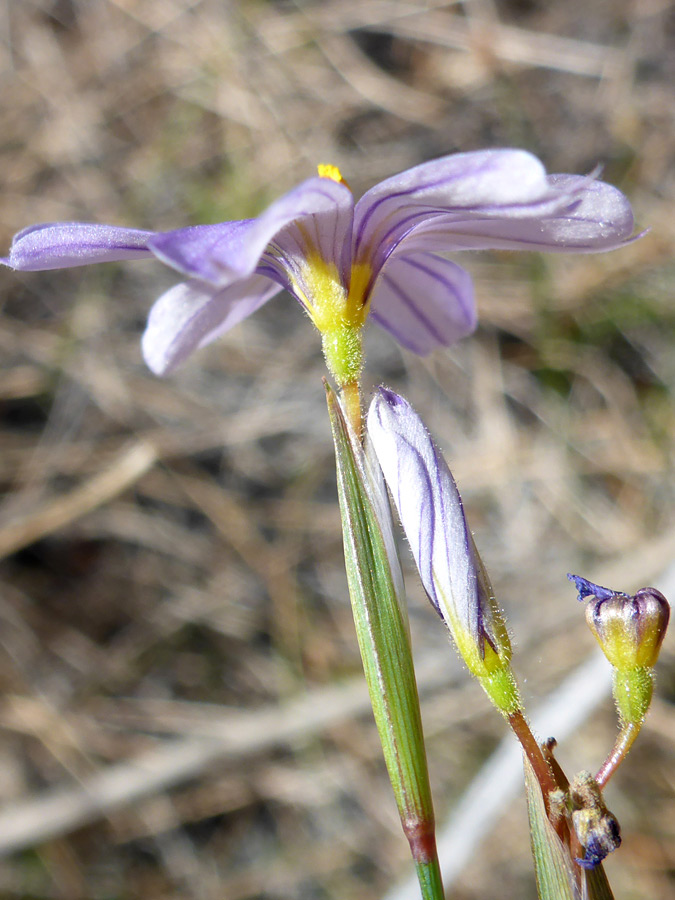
[[326, 170]]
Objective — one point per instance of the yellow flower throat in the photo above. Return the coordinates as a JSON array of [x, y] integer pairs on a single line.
[[338, 312]]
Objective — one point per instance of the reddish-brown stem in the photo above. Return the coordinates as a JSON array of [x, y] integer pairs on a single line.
[[533, 751], [623, 744]]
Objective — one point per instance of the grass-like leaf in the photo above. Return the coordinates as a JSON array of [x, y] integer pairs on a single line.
[[553, 867], [555, 871]]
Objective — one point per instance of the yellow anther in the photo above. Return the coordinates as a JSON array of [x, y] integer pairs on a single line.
[[326, 170]]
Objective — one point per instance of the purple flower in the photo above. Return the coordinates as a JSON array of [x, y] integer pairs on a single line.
[[343, 260], [431, 512], [587, 589]]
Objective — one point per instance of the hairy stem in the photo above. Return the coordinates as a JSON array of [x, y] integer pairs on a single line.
[[621, 747]]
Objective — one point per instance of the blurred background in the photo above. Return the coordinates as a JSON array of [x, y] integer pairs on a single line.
[[182, 711]]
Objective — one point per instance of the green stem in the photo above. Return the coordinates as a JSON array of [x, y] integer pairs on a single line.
[[429, 877], [350, 394]]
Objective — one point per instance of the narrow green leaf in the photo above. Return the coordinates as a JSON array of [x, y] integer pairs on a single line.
[[553, 867], [376, 590]]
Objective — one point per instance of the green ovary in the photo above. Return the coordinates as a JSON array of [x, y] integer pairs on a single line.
[[343, 353], [501, 688], [632, 689]]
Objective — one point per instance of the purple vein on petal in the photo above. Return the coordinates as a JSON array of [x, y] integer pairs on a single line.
[[418, 188], [424, 301], [466, 307], [411, 306]]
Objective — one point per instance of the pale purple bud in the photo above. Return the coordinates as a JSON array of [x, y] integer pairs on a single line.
[[431, 512]]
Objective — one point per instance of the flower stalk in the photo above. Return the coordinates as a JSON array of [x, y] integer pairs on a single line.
[[622, 745], [350, 397], [540, 765]]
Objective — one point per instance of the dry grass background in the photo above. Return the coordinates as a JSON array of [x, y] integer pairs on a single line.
[[182, 708]]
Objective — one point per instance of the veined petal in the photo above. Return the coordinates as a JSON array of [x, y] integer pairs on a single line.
[[314, 218], [60, 245], [481, 183], [597, 218], [190, 315], [488, 199], [424, 301], [205, 252]]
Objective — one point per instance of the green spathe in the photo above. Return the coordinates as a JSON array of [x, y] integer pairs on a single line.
[[375, 586], [552, 863]]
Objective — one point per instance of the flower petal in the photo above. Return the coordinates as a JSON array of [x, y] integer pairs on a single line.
[[189, 316], [488, 199], [206, 252], [597, 218], [424, 301], [481, 183], [60, 245], [315, 217], [588, 589]]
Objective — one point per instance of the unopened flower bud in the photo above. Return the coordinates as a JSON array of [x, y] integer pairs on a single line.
[[431, 512]]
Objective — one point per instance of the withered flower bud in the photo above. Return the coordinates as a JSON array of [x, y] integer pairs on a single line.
[[630, 630], [595, 826]]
